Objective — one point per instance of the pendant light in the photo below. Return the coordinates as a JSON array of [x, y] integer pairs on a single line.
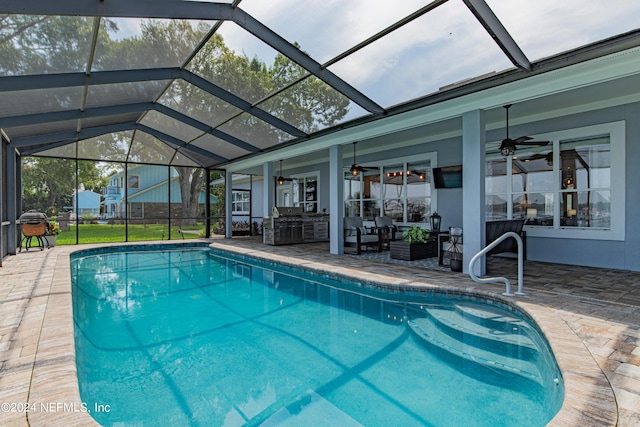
[[281, 178], [355, 167]]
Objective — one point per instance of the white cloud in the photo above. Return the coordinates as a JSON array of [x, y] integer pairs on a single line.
[[547, 27], [440, 48]]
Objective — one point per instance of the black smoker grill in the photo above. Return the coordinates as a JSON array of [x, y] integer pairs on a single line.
[[33, 224]]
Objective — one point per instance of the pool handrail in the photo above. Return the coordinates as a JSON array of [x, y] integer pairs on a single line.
[[504, 280]]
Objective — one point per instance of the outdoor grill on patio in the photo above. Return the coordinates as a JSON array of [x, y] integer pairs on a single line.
[[34, 224]]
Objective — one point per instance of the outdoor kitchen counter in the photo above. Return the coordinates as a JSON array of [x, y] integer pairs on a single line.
[[288, 230]]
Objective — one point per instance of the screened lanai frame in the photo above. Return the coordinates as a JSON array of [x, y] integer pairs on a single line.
[[106, 93], [102, 96]]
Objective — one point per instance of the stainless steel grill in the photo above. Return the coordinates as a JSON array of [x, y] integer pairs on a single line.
[[291, 225]]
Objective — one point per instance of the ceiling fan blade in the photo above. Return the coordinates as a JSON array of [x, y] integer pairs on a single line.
[[521, 139], [538, 143]]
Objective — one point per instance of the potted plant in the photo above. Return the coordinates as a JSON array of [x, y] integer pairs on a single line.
[[414, 245], [51, 235]]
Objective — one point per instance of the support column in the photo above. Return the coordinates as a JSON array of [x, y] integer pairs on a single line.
[[228, 208], [268, 189], [336, 200], [473, 194], [12, 164], [4, 222], [207, 203]]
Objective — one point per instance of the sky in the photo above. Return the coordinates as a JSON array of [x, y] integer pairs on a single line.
[[442, 47], [445, 46]]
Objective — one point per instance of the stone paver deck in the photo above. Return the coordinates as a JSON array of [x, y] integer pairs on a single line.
[[590, 316]]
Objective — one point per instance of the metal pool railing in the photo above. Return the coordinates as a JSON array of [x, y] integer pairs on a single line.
[[504, 280]]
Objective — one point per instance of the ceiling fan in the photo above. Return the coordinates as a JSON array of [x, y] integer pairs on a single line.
[[508, 146], [355, 167], [281, 179]]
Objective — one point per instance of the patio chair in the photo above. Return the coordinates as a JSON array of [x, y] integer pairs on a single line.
[[495, 229], [386, 224], [356, 234]]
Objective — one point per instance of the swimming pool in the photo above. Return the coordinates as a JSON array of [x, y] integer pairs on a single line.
[[199, 337]]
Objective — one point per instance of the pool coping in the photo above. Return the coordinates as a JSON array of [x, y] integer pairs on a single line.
[[589, 398]]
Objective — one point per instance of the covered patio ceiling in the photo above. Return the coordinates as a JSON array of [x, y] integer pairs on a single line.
[[191, 83]]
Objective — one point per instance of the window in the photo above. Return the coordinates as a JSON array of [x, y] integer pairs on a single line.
[[241, 202], [399, 188], [563, 189], [136, 210], [133, 181], [305, 191]]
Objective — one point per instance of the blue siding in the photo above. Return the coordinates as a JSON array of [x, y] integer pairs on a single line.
[[159, 194], [86, 202], [151, 176]]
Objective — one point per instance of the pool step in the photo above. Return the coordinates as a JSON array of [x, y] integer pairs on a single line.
[[508, 337], [460, 342], [490, 316]]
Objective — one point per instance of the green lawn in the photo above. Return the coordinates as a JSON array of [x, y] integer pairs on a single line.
[[103, 233]]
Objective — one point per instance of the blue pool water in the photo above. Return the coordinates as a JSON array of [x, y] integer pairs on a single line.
[[195, 337]]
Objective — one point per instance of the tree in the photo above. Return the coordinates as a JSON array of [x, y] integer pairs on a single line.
[[34, 45], [308, 105], [48, 184], [191, 182]]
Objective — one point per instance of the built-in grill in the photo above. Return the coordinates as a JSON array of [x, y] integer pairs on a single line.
[[286, 225], [290, 225], [33, 224]]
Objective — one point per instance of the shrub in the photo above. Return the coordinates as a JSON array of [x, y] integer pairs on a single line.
[[416, 234]]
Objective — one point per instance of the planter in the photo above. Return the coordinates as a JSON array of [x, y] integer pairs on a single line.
[[456, 262], [51, 240], [411, 251]]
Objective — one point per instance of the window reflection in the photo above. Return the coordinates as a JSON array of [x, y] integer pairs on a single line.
[[496, 205], [571, 192], [496, 175], [404, 193], [533, 171], [535, 208], [305, 193], [585, 179]]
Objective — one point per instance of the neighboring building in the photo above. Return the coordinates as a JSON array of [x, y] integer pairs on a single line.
[[148, 194], [86, 203]]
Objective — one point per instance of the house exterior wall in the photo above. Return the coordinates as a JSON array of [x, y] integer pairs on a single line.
[[86, 203], [257, 198], [599, 253], [618, 254], [152, 194], [156, 213], [623, 254]]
